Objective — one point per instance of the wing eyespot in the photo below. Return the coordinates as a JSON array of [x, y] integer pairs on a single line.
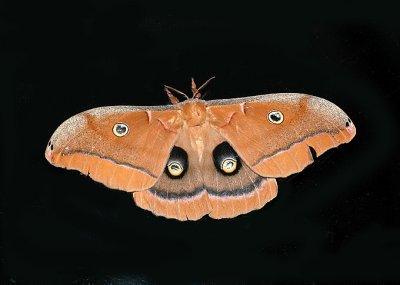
[[229, 165], [275, 117], [348, 122], [120, 129], [50, 146], [175, 168], [177, 164], [226, 160]]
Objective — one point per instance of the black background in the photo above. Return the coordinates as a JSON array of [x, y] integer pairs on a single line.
[[338, 220]]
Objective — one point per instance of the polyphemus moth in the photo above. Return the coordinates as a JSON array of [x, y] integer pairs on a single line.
[[193, 158]]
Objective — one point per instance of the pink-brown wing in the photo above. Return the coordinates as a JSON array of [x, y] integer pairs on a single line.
[[274, 149], [87, 142]]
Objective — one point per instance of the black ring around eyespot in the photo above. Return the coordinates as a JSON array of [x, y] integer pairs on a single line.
[[222, 152], [177, 155]]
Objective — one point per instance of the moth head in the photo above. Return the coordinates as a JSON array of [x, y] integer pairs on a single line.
[[195, 90]]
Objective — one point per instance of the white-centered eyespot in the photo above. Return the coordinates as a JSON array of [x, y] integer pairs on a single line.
[[229, 165], [175, 168], [120, 129], [275, 117]]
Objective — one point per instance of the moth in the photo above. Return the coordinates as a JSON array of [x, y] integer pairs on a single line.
[[194, 158]]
